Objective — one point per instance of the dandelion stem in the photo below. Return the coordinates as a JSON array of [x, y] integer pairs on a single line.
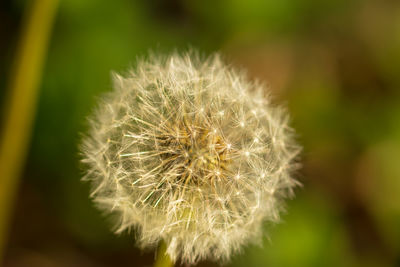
[[162, 260], [21, 104]]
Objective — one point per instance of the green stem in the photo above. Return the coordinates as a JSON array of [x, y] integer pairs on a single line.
[[163, 260], [20, 104]]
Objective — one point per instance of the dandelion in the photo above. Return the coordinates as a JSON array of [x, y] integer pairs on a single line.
[[188, 151]]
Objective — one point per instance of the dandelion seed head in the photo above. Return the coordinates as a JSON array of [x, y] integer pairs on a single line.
[[172, 153]]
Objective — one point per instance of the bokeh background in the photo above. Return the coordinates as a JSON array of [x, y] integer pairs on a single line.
[[334, 63]]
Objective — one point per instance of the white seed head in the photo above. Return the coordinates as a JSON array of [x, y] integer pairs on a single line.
[[188, 151]]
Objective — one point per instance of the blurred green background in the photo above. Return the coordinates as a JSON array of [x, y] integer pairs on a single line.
[[334, 63]]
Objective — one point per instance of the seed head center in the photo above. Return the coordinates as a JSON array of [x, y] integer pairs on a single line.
[[201, 153]]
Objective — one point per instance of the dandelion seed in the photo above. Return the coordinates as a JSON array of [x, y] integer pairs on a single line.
[[165, 156]]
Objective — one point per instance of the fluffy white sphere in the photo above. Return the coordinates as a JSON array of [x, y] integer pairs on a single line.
[[189, 151]]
